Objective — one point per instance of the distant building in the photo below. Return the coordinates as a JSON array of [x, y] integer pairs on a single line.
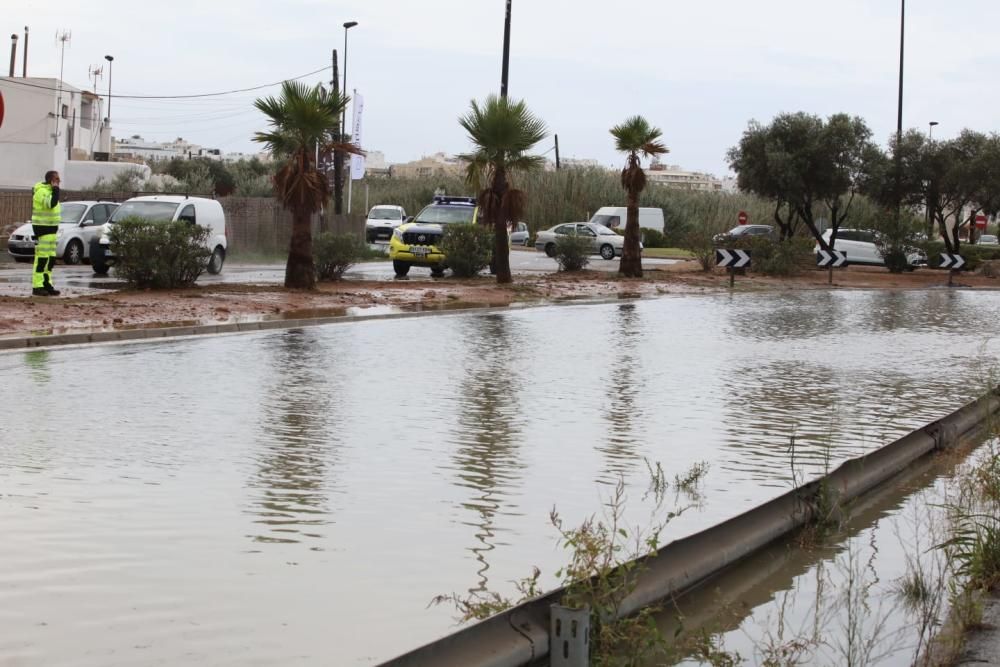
[[579, 163], [49, 124], [672, 176], [439, 164], [137, 148]]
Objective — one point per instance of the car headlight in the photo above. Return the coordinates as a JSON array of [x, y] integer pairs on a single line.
[[397, 234]]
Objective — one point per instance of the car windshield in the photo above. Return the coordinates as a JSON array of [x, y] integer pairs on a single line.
[[71, 212], [444, 215], [739, 231], [154, 211], [603, 231], [384, 214]]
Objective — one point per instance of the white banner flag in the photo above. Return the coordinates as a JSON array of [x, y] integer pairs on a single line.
[[357, 161]]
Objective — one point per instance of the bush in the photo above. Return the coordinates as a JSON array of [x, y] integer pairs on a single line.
[[573, 252], [699, 242], [160, 255], [779, 258], [652, 238], [974, 255], [336, 253], [468, 248]]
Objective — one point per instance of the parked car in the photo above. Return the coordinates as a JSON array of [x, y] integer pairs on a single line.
[[860, 247], [988, 239], [382, 219], [604, 241], [80, 222], [166, 208], [744, 231], [614, 217], [520, 235], [416, 242]]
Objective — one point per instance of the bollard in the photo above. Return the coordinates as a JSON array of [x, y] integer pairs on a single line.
[[569, 636]]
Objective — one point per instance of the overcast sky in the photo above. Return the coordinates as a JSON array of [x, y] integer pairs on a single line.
[[698, 69]]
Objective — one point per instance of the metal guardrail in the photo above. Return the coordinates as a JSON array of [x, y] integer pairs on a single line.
[[520, 635]]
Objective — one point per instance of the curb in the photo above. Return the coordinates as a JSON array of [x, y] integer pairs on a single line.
[[160, 333]]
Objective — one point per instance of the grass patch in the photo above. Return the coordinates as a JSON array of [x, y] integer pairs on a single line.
[[667, 253]]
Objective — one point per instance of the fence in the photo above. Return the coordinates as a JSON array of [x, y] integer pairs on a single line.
[[254, 225]]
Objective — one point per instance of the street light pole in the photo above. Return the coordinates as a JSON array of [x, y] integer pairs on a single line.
[[343, 117], [506, 53], [930, 131], [899, 115], [110, 60]]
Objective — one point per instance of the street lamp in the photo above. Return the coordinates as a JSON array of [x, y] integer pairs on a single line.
[[505, 69], [930, 131], [110, 60], [343, 118]]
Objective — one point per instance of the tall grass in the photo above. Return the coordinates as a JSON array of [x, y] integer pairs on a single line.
[[572, 195]]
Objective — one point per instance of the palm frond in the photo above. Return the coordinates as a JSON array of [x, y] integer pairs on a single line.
[[637, 136], [502, 130]]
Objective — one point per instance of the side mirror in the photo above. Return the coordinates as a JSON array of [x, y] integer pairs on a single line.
[[88, 221], [409, 219]]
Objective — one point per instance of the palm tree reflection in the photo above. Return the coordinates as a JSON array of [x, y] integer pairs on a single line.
[[296, 441], [489, 425], [622, 447]]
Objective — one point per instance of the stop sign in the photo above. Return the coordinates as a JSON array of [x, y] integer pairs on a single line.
[[981, 221], [743, 218]]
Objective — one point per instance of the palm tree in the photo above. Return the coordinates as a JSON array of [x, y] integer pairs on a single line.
[[635, 137], [502, 133], [301, 119]]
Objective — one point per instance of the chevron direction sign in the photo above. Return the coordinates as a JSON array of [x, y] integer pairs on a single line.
[[949, 261], [834, 258], [734, 259]]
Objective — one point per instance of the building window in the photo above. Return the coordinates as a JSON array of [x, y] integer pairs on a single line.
[[65, 111]]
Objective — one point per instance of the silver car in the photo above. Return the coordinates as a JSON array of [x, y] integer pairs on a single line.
[[520, 234], [605, 241], [81, 222]]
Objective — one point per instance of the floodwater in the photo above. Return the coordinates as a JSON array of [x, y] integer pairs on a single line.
[[298, 497]]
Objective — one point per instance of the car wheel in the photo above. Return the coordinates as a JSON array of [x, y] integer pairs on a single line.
[[437, 271], [401, 268], [607, 251], [97, 262], [73, 253], [217, 260], [550, 249]]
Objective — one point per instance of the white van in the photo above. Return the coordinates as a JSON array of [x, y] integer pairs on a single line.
[[614, 217], [167, 208]]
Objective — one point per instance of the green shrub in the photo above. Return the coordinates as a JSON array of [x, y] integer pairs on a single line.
[[468, 248], [160, 255], [573, 252], [778, 258], [336, 253], [974, 255], [699, 242], [652, 238]]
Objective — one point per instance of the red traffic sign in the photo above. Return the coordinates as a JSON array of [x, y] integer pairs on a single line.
[[981, 221], [743, 218]]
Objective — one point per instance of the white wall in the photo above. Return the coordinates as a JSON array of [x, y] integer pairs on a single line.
[[27, 112]]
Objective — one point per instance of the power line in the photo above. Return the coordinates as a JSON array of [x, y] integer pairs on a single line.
[[176, 97]]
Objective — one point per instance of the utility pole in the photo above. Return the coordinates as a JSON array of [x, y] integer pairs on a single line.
[[899, 118], [506, 53], [24, 65], [338, 157], [557, 152]]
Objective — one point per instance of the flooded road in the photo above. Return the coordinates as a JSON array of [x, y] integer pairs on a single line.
[[298, 497]]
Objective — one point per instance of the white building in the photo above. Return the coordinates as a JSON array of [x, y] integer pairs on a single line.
[[673, 176], [137, 148], [48, 124]]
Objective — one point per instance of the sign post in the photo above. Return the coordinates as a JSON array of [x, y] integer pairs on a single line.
[[732, 260]]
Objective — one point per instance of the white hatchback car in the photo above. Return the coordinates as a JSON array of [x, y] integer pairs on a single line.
[[859, 246], [166, 208], [80, 223]]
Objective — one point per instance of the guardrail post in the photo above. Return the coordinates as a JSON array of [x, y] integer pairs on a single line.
[[569, 637]]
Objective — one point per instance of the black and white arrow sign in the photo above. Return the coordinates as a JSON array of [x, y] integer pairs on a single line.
[[949, 261], [834, 258], [736, 259]]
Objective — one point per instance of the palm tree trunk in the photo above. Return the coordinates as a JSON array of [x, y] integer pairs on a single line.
[[631, 264], [501, 240], [300, 273]]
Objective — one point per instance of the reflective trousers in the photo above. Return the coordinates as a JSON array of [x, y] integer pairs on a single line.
[[45, 259]]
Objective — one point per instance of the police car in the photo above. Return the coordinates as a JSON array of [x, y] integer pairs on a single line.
[[418, 242]]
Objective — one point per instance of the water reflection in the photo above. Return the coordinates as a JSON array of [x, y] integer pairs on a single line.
[[487, 458], [296, 441], [787, 316], [37, 362], [621, 410]]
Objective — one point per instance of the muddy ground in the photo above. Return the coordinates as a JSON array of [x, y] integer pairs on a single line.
[[227, 303]]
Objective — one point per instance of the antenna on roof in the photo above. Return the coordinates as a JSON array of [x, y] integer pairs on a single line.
[[95, 72], [63, 37]]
